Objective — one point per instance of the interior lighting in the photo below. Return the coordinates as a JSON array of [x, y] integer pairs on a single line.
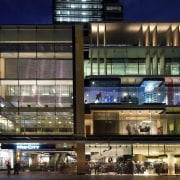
[[72, 6], [149, 88], [94, 28], [83, 13], [93, 82], [2, 105]]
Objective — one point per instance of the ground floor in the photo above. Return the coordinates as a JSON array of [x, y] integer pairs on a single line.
[[36, 175], [99, 158]]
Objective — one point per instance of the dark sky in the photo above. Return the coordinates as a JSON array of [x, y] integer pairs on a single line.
[[151, 10], [25, 11], [40, 11]]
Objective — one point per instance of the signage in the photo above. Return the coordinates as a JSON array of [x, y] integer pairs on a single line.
[[29, 146]]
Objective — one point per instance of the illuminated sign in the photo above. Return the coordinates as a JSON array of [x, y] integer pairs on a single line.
[[29, 146]]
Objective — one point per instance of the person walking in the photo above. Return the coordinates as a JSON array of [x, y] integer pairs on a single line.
[[8, 168], [16, 168]]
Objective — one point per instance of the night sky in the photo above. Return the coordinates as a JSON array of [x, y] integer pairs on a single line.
[[25, 12], [40, 11], [151, 10]]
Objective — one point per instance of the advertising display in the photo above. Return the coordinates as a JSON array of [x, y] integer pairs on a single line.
[[5, 157]]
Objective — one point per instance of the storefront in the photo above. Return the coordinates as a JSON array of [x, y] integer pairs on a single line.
[[100, 158], [38, 157], [145, 159], [6, 156]]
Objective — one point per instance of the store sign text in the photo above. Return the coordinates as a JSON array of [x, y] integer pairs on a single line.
[[28, 147]]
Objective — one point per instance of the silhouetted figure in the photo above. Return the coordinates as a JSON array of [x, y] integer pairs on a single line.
[[128, 128], [8, 168], [16, 168]]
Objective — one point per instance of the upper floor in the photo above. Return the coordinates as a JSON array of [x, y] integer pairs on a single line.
[[87, 11]]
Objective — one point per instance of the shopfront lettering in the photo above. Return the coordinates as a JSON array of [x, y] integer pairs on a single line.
[[28, 147]]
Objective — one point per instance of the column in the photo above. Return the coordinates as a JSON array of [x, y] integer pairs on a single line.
[[105, 52], [148, 64], [155, 64], [147, 37], [171, 162], [2, 68], [140, 36], [98, 70], [91, 45], [79, 81], [154, 37], [18, 155], [176, 37], [2, 76], [168, 37], [79, 97], [162, 64], [81, 164]]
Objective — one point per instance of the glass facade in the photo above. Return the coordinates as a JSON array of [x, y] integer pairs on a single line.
[[130, 67], [87, 11], [136, 159], [120, 117], [132, 80], [36, 84], [133, 90], [78, 11]]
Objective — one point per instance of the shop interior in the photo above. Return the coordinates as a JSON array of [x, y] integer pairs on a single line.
[[48, 161], [137, 159], [102, 158]]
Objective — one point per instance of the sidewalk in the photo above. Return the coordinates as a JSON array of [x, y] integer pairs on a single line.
[[58, 176]]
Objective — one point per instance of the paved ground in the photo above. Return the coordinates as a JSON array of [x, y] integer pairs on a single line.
[[58, 176]]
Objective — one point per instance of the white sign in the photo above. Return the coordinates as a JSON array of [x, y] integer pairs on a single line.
[[28, 146]]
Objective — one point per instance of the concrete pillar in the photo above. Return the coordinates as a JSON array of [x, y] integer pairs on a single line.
[[2, 76], [155, 64], [79, 81], [154, 37], [148, 64], [171, 164], [105, 52], [169, 37], [81, 164], [98, 66], [176, 37], [79, 96], [91, 61], [147, 37], [18, 155], [140, 36], [162, 64], [2, 67]]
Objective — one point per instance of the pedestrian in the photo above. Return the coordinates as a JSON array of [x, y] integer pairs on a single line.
[[128, 128], [16, 168], [8, 168]]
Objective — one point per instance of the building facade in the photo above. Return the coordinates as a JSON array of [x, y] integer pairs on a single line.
[[105, 101], [132, 96], [38, 86], [87, 11]]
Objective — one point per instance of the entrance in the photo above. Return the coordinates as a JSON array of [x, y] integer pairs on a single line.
[[63, 161], [145, 159]]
